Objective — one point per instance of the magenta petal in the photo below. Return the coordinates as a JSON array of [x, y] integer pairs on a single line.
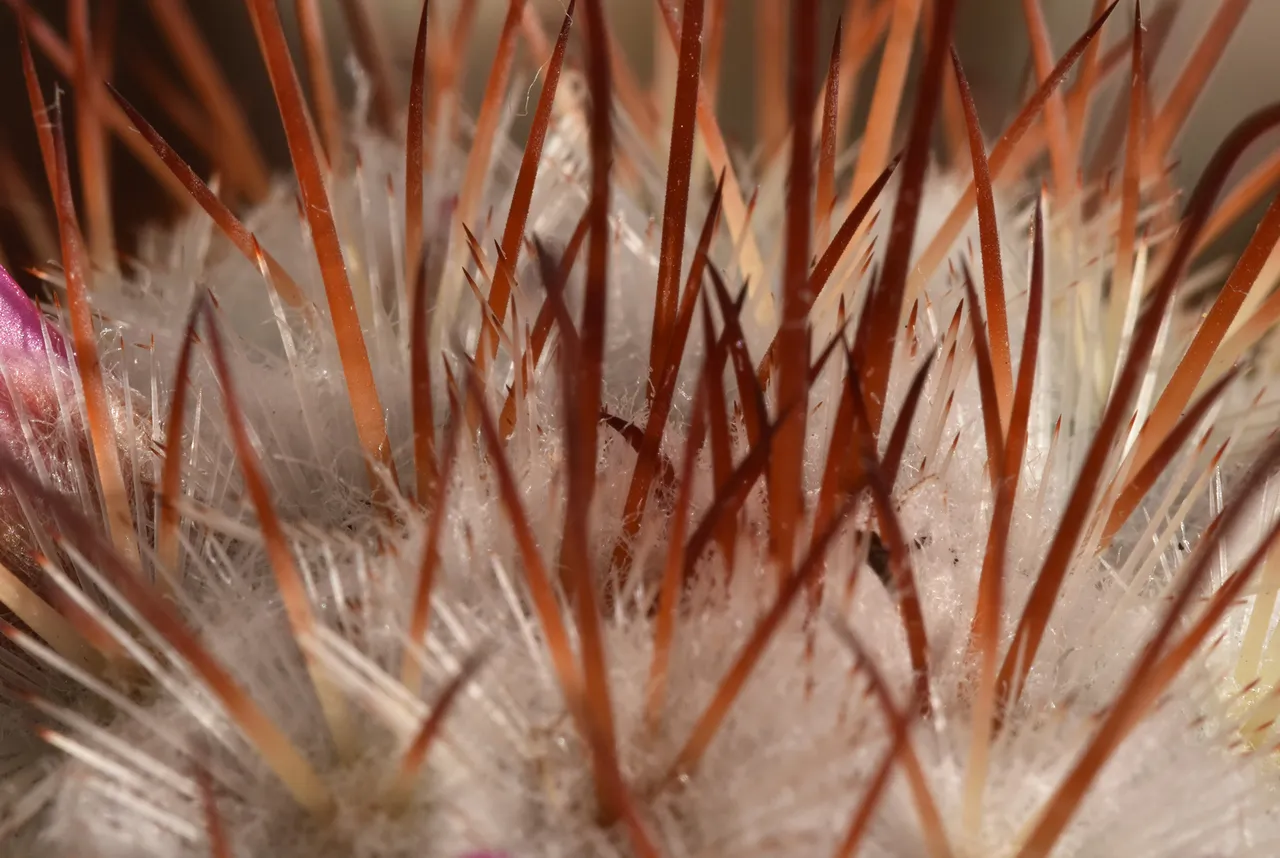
[[21, 328]]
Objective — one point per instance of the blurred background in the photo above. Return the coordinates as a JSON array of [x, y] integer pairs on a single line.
[[990, 37]]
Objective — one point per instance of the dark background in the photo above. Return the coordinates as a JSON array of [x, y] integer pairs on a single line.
[[990, 38]]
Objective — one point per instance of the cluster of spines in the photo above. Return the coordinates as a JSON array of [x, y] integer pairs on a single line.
[[1094, 510]]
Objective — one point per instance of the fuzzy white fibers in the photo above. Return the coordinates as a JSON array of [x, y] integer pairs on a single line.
[[799, 747]]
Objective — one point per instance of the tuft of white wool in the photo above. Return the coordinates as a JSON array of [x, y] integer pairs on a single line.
[[801, 744]]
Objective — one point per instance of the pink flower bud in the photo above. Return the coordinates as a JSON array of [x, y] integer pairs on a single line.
[[35, 384], [41, 420], [22, 326]]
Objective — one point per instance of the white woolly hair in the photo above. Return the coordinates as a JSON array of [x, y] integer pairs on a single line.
[[466, 739]]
